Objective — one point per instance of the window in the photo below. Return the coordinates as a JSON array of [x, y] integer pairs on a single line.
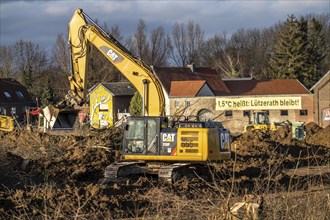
[[152, 136], [7, 94], [104, 107], [135, 136], [19, 94], [187, 104], [303, 112], [284, 113], [135, 129], [177, 103], [228, 113], [246, 112], [2, 111], [13, 110]]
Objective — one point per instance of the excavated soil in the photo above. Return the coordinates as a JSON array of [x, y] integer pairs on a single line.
[[56, 176]]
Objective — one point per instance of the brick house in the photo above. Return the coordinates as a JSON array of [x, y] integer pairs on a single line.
[[176, 76], [283, 99], [201, 94], [322, 100]]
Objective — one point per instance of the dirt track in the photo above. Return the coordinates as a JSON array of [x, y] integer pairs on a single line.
[[56, 175]]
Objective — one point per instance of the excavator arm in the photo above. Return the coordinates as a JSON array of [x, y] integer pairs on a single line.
[[82, 31]]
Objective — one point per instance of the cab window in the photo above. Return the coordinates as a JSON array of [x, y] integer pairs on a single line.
[[135, 129], [152, 140]]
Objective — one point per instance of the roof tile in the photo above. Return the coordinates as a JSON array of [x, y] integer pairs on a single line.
[[120, 88], [168, 74], [186, 88]]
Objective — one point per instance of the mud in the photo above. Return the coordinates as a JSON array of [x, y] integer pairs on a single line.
[[56, 176]]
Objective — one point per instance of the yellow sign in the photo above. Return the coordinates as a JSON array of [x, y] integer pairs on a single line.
[[258, 103]]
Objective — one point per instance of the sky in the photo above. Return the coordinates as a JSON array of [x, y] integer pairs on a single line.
[[40, 21]]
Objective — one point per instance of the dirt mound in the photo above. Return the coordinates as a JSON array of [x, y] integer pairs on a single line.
[[272, 153], [55, 157], [56, 175], [317, 136], [312, 128]]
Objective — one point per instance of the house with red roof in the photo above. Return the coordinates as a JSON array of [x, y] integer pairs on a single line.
[[200, 93]]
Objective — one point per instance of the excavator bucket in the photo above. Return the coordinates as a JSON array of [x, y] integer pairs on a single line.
[[59, 119]]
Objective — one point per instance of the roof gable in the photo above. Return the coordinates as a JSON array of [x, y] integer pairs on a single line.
[[11, 91], [189, 88], [323, 80], [266, 87], [168, 74], [117, 88]]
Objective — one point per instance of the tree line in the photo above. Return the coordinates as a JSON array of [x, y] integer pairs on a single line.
[[297, 48]]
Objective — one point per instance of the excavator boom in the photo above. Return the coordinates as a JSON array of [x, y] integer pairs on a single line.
[[83, 30]]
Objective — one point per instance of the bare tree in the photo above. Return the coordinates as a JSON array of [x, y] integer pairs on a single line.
[[29, 56], [60, 66], [244, 54], [60, 54], [6, 61], [216, 53], [160, 47], [152, 48], [141, 41], [187, 40], [31, 63], [115, 32]]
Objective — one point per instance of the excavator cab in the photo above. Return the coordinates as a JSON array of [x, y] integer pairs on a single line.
[[156, 137], [260, 118], [141, 135], [260, 122]]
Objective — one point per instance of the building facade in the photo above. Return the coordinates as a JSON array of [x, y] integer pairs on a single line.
[[322, 101], [231, 101], [14, 99], [108, 99]]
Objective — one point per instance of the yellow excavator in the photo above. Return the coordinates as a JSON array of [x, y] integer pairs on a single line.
[[260, 122], [152, 143], [6, 123]]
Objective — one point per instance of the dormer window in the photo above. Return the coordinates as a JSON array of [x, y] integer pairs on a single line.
[[7, 94], [19, 94]]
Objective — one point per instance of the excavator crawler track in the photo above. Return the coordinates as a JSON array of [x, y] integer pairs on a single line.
[[168, 173], [117, 171]]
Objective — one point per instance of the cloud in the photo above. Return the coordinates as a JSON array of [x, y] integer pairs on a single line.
[[299, 7], [41, 21], [54, 10]]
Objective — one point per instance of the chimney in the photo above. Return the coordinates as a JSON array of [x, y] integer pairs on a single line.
[[192, 67]]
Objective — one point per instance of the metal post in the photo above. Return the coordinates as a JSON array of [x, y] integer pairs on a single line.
[[145, 97]]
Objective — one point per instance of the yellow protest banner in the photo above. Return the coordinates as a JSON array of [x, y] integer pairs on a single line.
[[258, 103]]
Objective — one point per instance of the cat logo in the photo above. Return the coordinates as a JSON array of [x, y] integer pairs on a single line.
[[168, 137], [112, 54], [224, 141]]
